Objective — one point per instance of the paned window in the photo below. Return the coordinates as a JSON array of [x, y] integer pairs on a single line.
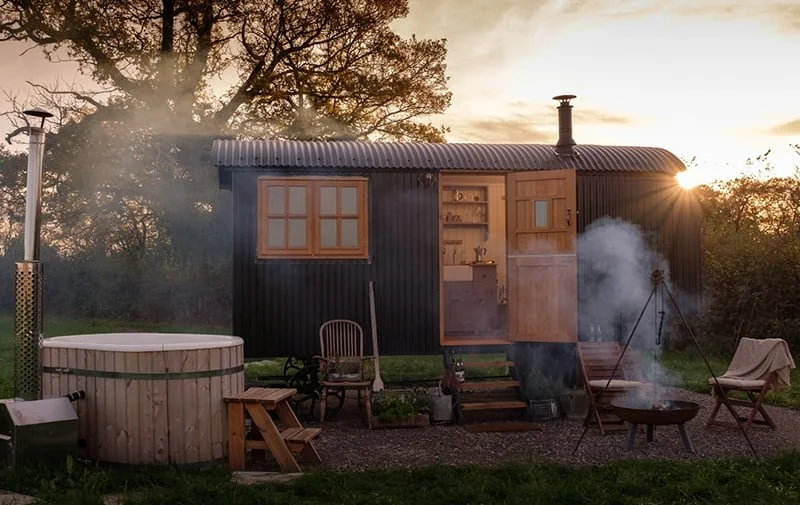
[[312, 217]]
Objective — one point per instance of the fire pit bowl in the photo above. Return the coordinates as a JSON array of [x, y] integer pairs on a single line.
[[657, 412]]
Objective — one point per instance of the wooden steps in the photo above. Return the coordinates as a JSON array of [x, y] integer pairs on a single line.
[[300, 434], [298, 438], [489, 385], [495, 398], [488, 364], [493, 405]]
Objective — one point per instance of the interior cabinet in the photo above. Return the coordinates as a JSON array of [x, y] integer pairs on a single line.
[[471, 306]]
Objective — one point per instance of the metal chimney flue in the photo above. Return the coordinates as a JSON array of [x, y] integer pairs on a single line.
[[29, 313], [566, 144]]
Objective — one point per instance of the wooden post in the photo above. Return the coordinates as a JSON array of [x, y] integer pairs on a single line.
[[236, 450]]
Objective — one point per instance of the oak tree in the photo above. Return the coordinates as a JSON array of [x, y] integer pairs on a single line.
[[296, 68], [122, 190]]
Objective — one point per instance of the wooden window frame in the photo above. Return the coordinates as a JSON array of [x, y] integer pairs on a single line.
[[313, 249]]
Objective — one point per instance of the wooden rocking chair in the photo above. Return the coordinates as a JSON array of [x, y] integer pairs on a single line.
[[758, 367], [597, 361], [343, 364]]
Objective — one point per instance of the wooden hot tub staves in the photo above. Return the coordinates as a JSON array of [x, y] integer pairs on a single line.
[[151, 398]]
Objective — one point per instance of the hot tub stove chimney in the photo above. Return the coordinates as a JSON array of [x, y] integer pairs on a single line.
[[28, 313]]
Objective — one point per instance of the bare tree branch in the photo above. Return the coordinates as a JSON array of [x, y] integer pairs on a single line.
[[79, 96]]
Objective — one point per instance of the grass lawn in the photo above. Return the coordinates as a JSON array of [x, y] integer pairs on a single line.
[[710, 482], [724, 481], [687, 366], [393, 368], [58, 327], [693, 374]]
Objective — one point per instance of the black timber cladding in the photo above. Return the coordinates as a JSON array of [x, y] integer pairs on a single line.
[[279, 305], [668, 217]]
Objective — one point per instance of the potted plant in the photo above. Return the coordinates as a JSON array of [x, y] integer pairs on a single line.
[[542, 394], [399, 409]]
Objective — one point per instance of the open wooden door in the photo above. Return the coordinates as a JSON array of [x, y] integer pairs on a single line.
[[542, 261]]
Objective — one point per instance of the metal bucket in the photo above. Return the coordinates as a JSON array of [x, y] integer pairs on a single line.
[[441, 406]]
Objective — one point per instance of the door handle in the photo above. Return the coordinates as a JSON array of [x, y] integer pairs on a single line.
[[569, 216]]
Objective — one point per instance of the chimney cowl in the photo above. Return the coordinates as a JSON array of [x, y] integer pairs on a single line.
[[566, 144]]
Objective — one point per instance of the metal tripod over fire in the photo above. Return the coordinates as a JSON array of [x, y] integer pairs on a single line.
[[657, 279]]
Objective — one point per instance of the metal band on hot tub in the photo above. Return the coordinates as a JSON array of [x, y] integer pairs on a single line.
[[143, 375]]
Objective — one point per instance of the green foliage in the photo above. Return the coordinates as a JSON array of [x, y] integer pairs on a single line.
[[389, 406], [751, 240]]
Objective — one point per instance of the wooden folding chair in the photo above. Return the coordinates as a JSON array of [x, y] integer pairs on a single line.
[[754, 380], [597, 360], [343, 364], [756, 391]]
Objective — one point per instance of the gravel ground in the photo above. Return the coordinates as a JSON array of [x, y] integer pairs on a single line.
[[346, 443]]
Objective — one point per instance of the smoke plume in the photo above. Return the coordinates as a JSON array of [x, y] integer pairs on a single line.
[[616, 262]]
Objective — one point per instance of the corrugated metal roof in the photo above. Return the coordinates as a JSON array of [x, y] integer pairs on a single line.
[[458, 156]]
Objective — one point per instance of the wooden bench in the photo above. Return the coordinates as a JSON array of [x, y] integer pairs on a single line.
[[283, 443]]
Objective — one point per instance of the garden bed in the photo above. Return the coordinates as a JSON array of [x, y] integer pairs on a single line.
[[400, 409]]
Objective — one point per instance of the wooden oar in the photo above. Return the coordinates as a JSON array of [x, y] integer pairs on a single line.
[[377, 384]]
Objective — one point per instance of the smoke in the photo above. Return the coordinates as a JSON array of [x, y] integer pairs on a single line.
[[616, 262]]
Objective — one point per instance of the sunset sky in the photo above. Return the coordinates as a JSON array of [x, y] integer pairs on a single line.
[[715, 79]]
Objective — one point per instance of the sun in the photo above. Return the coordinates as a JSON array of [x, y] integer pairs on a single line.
[[688, 179]]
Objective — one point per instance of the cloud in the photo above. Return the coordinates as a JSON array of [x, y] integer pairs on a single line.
[[530, 123], [517, 128], [457, 18], [614, 8], [596, 116], [783, 13], [790, 128], [547, 115]]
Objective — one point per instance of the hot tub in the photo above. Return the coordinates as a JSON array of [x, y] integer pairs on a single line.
[[151, 398]]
